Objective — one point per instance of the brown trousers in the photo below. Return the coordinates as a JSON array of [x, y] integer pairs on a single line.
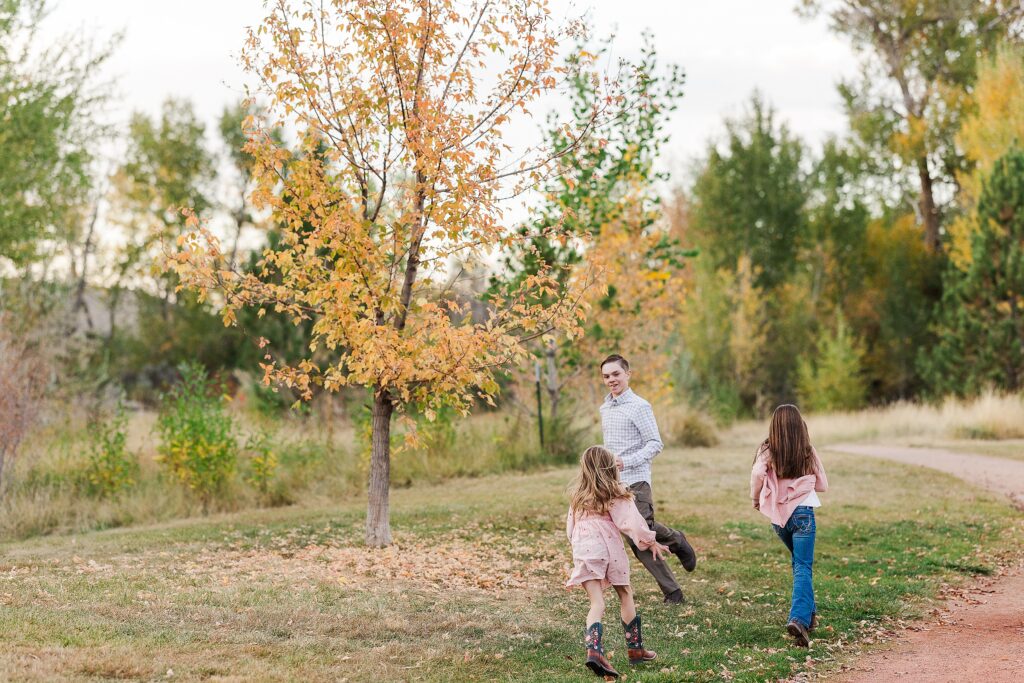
[[660, 570]]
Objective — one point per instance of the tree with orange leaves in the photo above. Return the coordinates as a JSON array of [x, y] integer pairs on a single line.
[[400, 108]]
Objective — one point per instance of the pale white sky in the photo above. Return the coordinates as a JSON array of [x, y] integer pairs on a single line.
[[189, 48]]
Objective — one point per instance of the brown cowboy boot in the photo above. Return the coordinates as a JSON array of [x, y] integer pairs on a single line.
[[596, 661], [799, 633], [635, 643]]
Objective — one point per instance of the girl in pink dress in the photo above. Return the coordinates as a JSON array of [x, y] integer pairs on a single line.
[[601, 508]]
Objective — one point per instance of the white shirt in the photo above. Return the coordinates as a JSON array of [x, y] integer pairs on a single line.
[[811, 500]]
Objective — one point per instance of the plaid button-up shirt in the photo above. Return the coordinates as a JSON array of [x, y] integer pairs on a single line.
[[631, 433]]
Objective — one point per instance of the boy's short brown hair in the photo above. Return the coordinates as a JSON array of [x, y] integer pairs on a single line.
[[616, 358]]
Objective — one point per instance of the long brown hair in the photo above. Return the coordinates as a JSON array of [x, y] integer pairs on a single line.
[[597, 485], [789, 444]]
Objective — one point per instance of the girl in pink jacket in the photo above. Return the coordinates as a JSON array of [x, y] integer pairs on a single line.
[[600, 509], [784, 485]]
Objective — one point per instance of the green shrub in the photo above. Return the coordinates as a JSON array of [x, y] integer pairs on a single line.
[[276, 401], [112, 468], [437, 436], [301, 456], [565, 437], [197, 441], [724, 402], [682, 425], [834, 380], [697, 433], [262, 463], [515, 444]]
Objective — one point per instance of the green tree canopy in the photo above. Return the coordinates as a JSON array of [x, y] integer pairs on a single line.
[[981, 323], [48, 130], [749, 198], [918, 65], [833, 380]]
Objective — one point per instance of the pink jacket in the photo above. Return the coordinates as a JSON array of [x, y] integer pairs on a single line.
[[622, 517], [777, 498]]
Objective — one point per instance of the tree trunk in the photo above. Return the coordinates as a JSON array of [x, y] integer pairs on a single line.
[[80, 289], [378, 525], [239, 224], [551, 352], [929, 214], [894, 52], [113, 299]]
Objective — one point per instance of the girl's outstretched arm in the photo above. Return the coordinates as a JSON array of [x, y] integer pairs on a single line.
[[630, 522], [570, 524], [821, 481]]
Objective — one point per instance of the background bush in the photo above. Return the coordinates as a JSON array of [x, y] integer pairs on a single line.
[[112, 468], [197, 436], [682, 425]]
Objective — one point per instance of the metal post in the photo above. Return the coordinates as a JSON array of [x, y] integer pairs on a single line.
[[540, 413]]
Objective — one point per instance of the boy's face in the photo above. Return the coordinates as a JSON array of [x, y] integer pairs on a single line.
[[615, 378]]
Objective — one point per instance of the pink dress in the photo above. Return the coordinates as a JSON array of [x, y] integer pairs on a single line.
[[597, 550]]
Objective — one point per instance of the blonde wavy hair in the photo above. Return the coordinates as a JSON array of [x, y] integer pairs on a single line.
[[597, 484]]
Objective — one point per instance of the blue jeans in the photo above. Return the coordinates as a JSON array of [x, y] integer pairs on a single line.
[[798, 535]]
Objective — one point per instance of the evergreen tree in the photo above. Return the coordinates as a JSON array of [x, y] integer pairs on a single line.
[[833, 380], [981, 322]]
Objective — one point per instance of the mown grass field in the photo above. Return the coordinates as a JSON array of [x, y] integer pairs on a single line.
[[472, 589]]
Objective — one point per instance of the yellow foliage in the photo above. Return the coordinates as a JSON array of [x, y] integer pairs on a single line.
[[910, 144], [402, 168], [748, 336], [986, 135], [638, 305]]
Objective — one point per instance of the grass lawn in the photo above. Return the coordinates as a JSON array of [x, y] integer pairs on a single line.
[[472, 589]]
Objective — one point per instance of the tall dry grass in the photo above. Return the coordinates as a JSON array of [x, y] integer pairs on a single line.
[[992, 416], [321, 464], [318, 463]]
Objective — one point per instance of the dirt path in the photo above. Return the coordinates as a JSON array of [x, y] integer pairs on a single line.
[[1001, 475], [978, 635]]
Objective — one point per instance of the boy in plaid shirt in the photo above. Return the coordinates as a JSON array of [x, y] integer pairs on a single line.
[[631, 433]]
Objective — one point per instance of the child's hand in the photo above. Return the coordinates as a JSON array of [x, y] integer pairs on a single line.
[[757, 503], [659, 550]]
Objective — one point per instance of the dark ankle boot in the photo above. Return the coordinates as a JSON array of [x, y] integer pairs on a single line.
[[596, 660], [635, 643]]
